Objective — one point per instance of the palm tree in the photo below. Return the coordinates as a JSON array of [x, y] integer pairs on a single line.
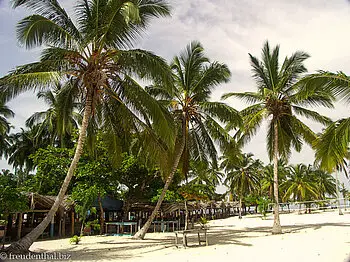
[[92, 52], [60, 118], [243, 177], [267, 182], [5, 127], [204, 173], [279, 99], [300, 185], [331, 146], [195, 78], [22, 145], [325, 184]]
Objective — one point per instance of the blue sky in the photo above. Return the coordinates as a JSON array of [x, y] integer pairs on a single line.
[[228, 30]]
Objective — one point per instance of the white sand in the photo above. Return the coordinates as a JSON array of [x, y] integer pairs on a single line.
[[318, 237]]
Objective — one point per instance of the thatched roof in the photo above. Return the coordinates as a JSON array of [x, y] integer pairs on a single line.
[[172, 207]]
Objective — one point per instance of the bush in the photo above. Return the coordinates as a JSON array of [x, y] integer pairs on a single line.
[[203, 221], [263, 203], [74, 239], [94, 225]]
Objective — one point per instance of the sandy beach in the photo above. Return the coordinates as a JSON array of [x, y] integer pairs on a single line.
[[323, 236]]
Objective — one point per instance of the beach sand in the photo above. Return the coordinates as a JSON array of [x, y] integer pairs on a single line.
[[322, 236]]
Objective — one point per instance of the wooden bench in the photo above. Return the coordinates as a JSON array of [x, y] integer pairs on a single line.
[[191, 231]]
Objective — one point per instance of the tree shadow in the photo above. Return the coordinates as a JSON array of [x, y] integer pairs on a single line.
[[112, 249]]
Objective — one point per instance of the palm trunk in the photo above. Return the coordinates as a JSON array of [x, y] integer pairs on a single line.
[[338, 195], [24, 244], [142, 232], [240, 207], [186, 215], [82, 228], [102, 220], [276, 223]]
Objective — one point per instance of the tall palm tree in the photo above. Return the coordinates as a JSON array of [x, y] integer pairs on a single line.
[[92, 52], [60, 118], [243, 177], [195, 78], [5, 126], [279, 100]]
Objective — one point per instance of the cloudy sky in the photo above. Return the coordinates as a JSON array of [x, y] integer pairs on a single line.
[[228, 30]]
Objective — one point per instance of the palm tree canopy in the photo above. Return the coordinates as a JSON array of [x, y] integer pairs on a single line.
[[195, 77], [244, 176], [332, 145], [5, 126], [59, 120], [92, 53], [300, 184], [280, 99]]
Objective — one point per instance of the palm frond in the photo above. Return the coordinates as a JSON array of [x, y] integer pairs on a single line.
[[248, 97], [222, 112], [145, 65], [312, 115], [336, 83]]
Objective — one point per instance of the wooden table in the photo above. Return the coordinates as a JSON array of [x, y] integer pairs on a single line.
[[191, 231], [121, 225], [165, 224]]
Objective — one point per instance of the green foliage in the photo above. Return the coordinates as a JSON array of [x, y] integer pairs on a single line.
[[170, 196], [5, 114], [11, 197], [196, 192], [251, 200], [60, 120], [83, 197], [139, 182], [95, 225], [203, 221], [52, 165], [243, 175], [332, 145], [263, 204], [74, 239]]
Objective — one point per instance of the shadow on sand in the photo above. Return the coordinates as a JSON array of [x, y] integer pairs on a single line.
[[217, 235]]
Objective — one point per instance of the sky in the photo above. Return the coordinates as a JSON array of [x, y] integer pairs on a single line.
[[228, 30]]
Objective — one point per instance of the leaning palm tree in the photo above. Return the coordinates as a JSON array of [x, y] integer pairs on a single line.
[[92, 51], [5, 127], [243, 177], [198, 117], [279, 99]]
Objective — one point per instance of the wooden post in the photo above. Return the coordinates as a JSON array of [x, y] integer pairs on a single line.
[[52, 227], [60, 223], [72, 225], [19, 229], [64, 224]]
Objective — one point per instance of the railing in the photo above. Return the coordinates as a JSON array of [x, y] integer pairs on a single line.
[[312, 205]]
